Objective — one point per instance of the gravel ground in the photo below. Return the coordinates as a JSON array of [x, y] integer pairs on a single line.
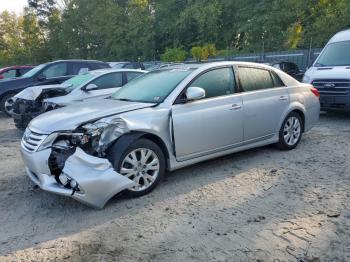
[[258, 205]]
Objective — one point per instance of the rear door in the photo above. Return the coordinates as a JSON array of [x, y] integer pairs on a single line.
[[265, 99], [212, 124]]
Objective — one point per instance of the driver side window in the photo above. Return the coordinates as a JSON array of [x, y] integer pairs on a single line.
[[217, 82], [55, 70], [109, 81]]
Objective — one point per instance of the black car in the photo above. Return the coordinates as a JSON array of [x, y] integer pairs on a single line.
[[45, 74], [290, 68]]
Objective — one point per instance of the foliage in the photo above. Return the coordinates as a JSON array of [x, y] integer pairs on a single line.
[[203, 52], [173, 55], [116, 30]]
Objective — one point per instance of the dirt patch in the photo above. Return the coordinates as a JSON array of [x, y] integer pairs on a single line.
[[262, 204]]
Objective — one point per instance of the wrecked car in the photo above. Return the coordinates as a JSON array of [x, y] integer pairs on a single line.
[[36, 100], [162, 121], [50, 73]]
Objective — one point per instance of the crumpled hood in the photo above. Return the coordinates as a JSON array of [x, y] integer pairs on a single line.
[[331, 72], [32, 93], [70, 117]]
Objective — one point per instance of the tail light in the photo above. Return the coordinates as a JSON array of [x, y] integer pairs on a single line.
[[315, 91], [1, 77]]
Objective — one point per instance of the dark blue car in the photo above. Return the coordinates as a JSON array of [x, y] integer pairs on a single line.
[[45, 74]]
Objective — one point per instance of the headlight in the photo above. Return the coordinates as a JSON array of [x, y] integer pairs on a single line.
[[48, 106], [105, 131], [306, 79], [48, 141]]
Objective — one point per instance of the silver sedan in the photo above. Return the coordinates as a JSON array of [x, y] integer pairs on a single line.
[[165, 120]]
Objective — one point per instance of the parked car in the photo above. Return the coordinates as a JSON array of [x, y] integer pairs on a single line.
[[330, 73], [129, 65], [45, 74], [36, 100], [165, 120], [290, 68], [14, 71]]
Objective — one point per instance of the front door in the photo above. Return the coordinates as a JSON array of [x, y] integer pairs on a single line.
[[212, 124]]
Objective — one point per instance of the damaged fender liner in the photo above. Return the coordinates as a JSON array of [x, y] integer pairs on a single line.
[[96, 178]]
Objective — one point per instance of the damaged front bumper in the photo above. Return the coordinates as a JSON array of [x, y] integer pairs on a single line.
[[96, 180]]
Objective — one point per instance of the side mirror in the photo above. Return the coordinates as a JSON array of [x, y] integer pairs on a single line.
[[194, 93], [89, 87], [41, 78]]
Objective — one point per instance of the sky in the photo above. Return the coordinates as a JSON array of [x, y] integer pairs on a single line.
[[13, 5]]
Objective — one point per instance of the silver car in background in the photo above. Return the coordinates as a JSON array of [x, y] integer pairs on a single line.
[[162, 121]]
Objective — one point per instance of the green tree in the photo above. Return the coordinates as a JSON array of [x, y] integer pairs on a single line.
[[174, 55]]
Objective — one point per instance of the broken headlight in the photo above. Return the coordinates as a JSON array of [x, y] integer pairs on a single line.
[[104, 131], [48, 106]]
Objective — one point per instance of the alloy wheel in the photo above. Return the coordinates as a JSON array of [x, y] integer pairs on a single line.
[[142, 166], [292, 131], [9, 105]]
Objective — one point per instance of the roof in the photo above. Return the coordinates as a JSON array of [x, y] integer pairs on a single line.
[[75, 60], [341, 36], [111, 70], [213, 64]]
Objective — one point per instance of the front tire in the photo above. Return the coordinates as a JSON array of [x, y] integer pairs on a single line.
[[142, 161], [291, 132], [5, 104]]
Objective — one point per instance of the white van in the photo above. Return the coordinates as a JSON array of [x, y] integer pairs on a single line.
[[330, 73]]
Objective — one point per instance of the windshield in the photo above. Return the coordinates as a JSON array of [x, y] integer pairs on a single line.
[[32, 72], [77, 81], [152, 87], [335, 54]]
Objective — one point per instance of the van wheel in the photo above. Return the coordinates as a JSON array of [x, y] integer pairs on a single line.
[[6, 104], [142, 161], [291, 132]]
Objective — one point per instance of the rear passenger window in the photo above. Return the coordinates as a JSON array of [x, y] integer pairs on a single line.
[[277, 82], [255, 79], [218, 82], [76, 68]]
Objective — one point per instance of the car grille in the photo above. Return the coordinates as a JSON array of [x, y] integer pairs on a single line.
[[332, 86], [31, 141]]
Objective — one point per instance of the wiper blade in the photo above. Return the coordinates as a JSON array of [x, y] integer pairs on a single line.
[[319, 64], [124, 99]]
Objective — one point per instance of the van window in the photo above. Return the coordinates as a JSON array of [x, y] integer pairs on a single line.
[[255, 78], [335, 54]]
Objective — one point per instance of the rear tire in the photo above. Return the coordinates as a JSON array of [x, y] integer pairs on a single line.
[[3, 103], [291, 132], [142, 161]]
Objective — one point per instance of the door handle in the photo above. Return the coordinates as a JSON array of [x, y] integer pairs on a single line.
[[235, 107], [283, 98]]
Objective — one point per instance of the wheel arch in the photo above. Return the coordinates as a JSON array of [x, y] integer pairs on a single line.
[[302, 115], [126, 139], [295, 107]]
